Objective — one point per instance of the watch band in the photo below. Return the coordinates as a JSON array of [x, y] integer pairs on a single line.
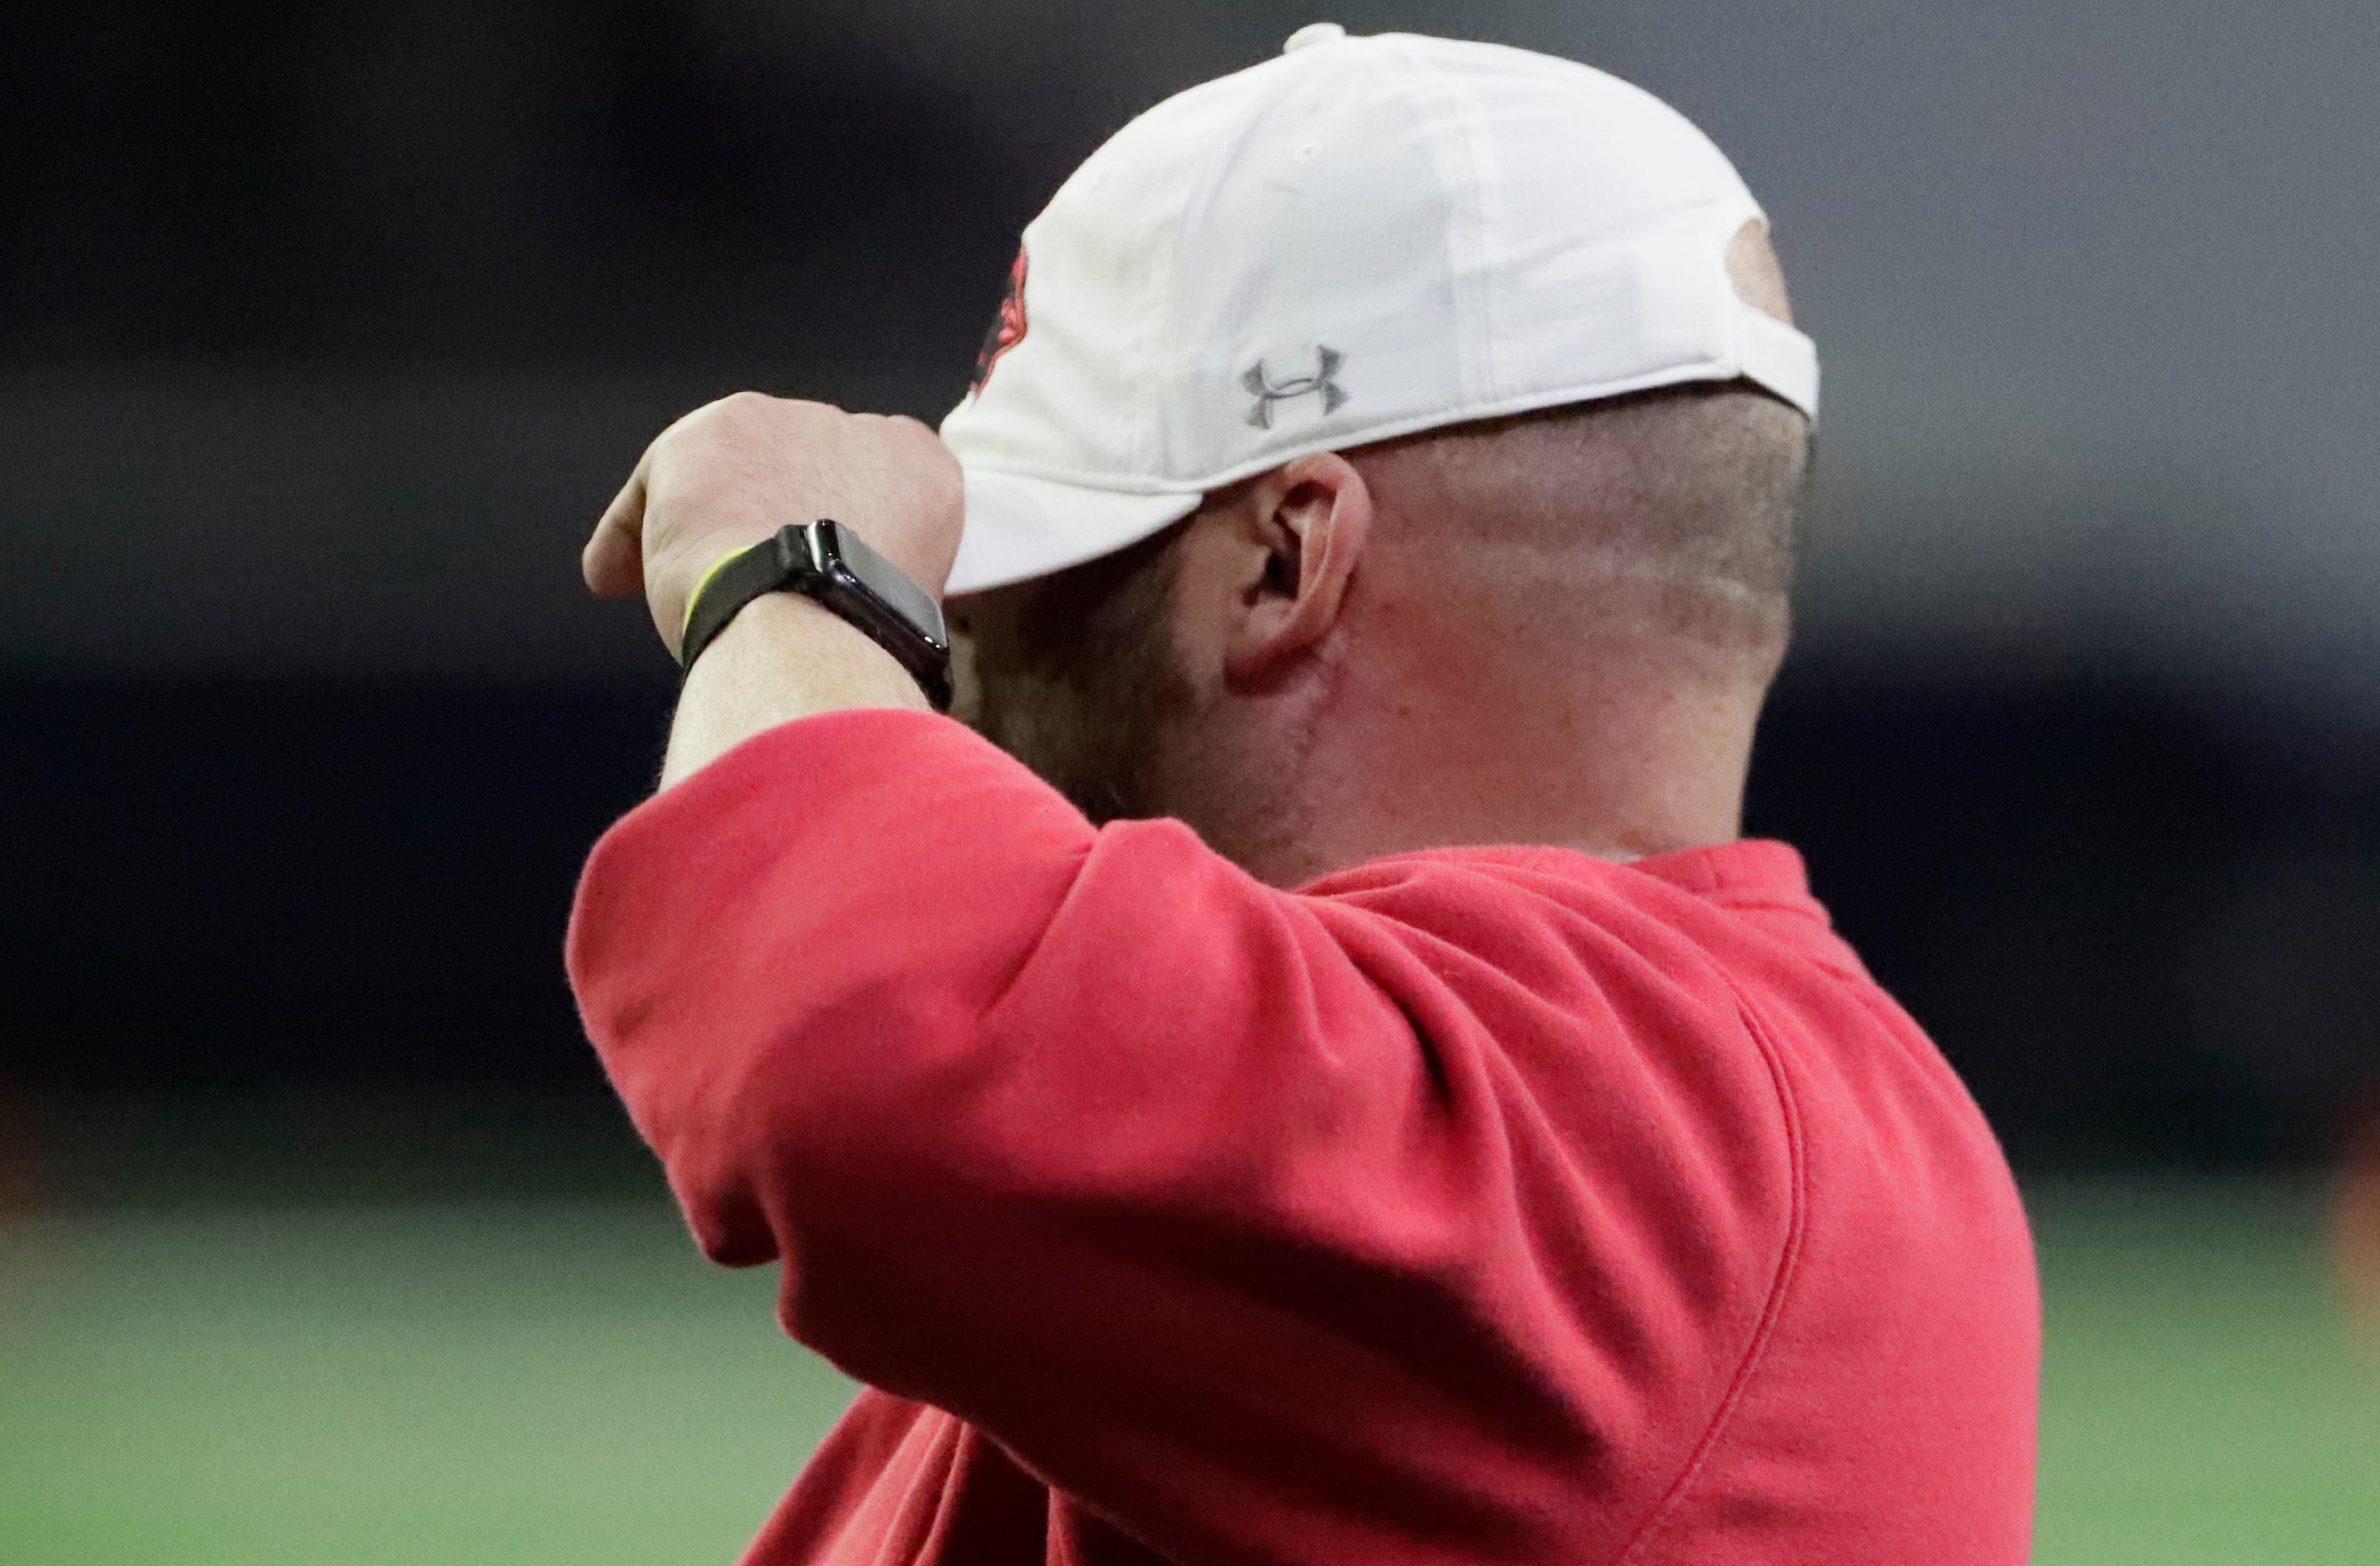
[[828, 562]]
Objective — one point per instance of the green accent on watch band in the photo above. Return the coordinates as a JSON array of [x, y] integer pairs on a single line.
[[710, 572]]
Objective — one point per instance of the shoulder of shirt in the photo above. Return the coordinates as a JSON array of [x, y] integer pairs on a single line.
[[1743, 885]]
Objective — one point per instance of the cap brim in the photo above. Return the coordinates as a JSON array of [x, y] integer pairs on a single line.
[[1018, 529]]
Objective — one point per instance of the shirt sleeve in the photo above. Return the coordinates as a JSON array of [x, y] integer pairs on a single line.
[[1095, 1141]]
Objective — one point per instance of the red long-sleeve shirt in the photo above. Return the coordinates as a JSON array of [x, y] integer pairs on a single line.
[[1490, 1204]]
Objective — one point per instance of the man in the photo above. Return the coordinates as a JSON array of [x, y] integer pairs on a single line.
[[1360, 1102]]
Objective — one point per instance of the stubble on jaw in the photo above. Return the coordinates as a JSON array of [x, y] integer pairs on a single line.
[[1076, 676]]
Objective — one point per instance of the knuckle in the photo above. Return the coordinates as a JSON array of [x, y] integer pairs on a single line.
[[723, 422], [735, 412], [687, 426]]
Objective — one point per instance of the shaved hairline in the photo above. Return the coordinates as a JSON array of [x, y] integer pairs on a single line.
[[1674, 510]]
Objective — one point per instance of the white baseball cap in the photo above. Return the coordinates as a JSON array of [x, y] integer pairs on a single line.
[[1362, 238]]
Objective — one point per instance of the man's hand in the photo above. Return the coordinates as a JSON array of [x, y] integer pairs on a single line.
[[730, 473], [726, 476]]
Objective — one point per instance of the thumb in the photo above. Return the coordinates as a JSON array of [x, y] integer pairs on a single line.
[[613, 561]]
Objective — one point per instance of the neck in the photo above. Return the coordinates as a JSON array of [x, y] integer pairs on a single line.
[[1633, 755]]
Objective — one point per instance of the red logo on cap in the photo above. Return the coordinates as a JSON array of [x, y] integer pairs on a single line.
[[1007, 330]]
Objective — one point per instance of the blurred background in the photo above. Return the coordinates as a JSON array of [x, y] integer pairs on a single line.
[[326, 329]]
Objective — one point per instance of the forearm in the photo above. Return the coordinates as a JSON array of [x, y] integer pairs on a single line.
[[791, 946], [1051, 1128], [783, 656]]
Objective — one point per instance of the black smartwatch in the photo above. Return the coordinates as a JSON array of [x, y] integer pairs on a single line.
[[827, 562]]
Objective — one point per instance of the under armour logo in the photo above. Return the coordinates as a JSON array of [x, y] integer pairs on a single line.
[[1267, 392]]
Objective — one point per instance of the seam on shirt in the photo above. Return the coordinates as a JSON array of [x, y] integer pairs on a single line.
[[1725, 899], [1777, 1289], [1041, 937], [946, 1503]]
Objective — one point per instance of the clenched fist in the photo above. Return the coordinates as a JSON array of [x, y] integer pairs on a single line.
[[730, 473]]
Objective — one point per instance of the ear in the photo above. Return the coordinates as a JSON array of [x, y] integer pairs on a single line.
[[1303, 528]]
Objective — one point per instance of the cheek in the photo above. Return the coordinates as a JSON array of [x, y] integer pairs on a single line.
[[1031, 714], [1079, 685]]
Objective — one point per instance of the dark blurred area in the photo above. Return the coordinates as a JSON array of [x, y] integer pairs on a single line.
[[326, 329]]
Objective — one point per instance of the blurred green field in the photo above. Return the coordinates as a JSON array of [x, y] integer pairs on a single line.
[[563, 1380]]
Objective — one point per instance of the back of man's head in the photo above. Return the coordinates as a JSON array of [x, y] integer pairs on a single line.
[[1539, 623], [1419, 495], [1666, 515]]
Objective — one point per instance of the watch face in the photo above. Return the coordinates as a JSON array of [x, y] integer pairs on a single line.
[[839, 546]]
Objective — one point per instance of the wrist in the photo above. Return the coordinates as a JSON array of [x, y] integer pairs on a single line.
[[673, 587], [690, 594], [829, 562], [784, 657]]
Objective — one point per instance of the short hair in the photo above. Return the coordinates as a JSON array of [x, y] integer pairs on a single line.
[[1686, 498]]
